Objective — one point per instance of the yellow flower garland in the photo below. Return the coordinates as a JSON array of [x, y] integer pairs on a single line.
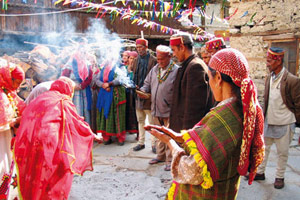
[[207, 180], [171, 191], [13, 104]]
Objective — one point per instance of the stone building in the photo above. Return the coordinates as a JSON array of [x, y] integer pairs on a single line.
[[274, 23]]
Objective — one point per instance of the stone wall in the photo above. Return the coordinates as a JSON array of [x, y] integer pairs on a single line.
[[272, 17]]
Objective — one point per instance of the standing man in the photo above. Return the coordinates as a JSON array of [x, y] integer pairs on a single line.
[[159, 82], [204, 55], [192, 98], [141, 67], [282, 110]]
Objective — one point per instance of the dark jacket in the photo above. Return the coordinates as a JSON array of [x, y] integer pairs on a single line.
[[290, 93], [144, 104], [192, 98]]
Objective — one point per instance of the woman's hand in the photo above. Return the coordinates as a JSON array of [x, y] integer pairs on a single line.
[[105, 85], [174, 135], [98, 138], [160, 135]]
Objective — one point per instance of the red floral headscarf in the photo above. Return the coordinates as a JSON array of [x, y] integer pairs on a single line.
[[63, 85], [234, 64], [11, 105], [8, 72]]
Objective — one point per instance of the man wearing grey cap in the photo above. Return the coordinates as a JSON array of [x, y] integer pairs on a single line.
[[192, 98]]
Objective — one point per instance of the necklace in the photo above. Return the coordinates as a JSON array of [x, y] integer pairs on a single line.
[[165, 76]]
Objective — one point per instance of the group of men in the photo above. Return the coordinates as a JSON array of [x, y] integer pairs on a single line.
[[180, 96]]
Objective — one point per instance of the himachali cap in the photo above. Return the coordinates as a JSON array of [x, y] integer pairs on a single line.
[[142, 41], [181, 38], [275, 53], [162, 49], [234, 64], [216, 43]]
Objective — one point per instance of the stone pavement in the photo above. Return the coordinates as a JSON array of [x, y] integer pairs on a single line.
[[120, 173]]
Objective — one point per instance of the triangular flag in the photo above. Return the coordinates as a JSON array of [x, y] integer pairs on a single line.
[[135, 20], [157, 14], [66, 2], [57, 2], [124, 2], [146, 14], [167, 6], [141, 3]]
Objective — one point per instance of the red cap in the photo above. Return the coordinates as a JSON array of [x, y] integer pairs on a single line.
[[142, 42], [175, 41]]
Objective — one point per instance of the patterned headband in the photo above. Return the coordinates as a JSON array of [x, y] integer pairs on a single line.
[[214, 44], [275, 55]]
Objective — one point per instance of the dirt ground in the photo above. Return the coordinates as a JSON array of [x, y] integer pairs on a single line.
[[121, 173]]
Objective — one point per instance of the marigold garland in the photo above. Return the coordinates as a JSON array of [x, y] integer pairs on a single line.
[[11, 101], [207, 180], [171, 191], [13, 104], [165, 76]]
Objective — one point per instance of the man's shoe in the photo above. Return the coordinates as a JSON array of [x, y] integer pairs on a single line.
[[155, 161], [258, 177], [279, 183], [139, 147], [168, 167]]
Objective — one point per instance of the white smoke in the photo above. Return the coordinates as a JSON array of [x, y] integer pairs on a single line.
[[108, 44]]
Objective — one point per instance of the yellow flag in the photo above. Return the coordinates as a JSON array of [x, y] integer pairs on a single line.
[[167, 6], [134, 21]]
